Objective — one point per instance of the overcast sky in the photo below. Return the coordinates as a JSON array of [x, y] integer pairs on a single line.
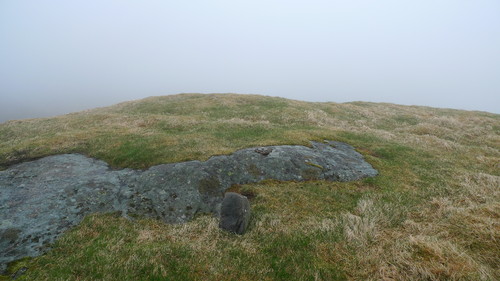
[[60, 56]]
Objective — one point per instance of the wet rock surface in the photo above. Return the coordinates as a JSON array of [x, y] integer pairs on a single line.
[[41, 199]]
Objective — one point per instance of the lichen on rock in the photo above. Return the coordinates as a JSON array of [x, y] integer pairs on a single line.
[[41, 199]]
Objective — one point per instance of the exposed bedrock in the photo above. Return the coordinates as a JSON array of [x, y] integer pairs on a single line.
[[41, 199]]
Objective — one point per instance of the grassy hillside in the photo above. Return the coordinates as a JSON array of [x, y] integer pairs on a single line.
[[433, 213]]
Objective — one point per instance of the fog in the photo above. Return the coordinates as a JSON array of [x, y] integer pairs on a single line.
[[62, 56]]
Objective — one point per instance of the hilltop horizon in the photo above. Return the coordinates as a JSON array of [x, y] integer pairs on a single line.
[[431, 212], [66, 56], [4, 115]]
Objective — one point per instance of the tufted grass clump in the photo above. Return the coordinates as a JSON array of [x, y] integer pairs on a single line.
[[433, 213]]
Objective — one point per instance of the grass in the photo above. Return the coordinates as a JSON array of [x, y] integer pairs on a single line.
[[433, 213]]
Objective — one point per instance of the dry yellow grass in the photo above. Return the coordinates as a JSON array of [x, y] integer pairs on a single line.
[[432, 214]]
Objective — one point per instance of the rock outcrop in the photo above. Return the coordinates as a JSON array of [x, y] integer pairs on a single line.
[[41, 199]]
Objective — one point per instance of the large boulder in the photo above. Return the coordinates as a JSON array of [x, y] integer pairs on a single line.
[[41, 199], [234, 213]]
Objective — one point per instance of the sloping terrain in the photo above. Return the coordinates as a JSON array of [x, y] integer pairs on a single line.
[[432, 213]]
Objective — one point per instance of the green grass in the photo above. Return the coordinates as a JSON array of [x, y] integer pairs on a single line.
[[433, 213]]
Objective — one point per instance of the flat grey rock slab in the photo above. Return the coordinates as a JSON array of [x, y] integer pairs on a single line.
[[41, 199]]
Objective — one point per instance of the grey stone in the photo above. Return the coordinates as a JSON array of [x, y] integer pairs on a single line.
[[234, 213], [41, 199], [19, 273], [264, 150]]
